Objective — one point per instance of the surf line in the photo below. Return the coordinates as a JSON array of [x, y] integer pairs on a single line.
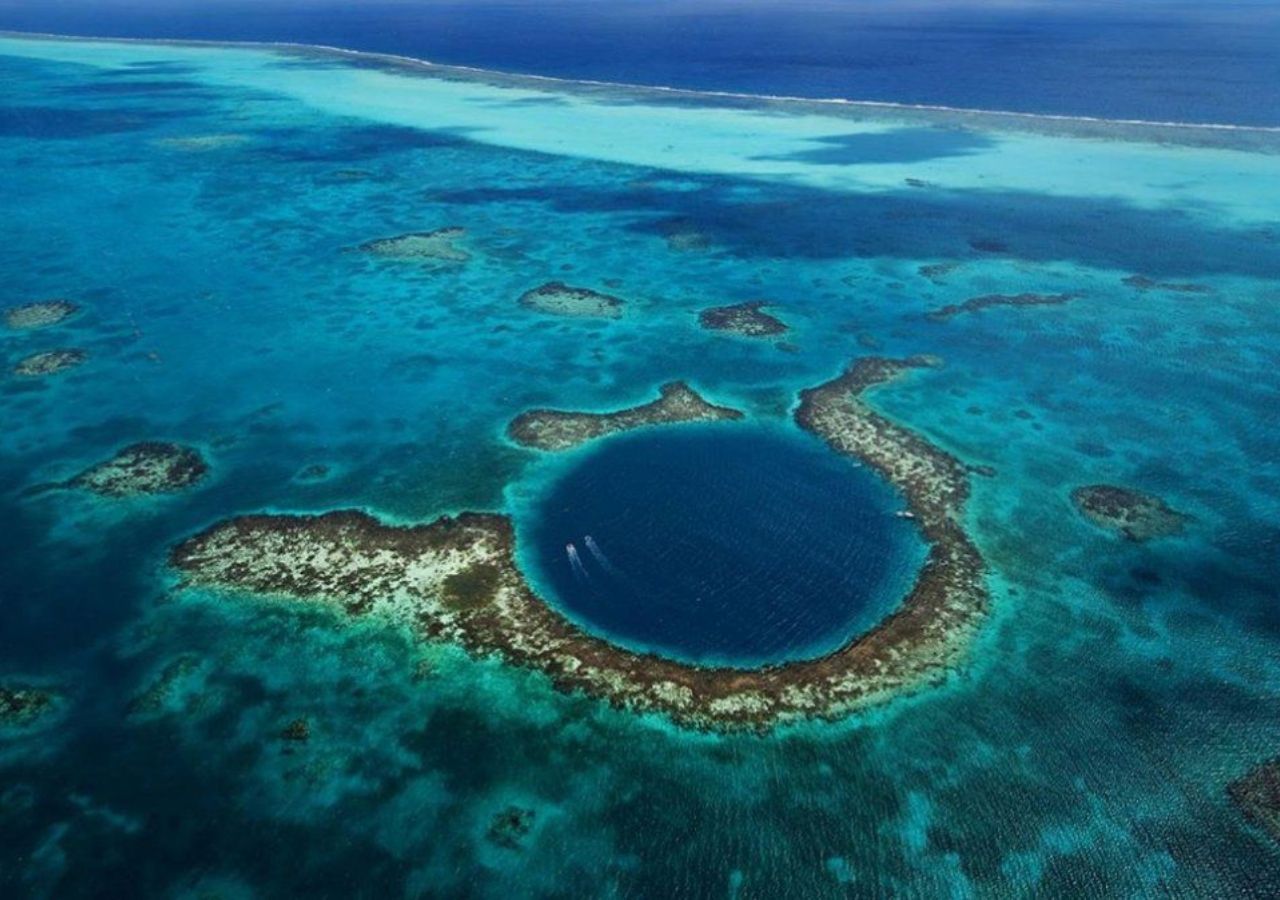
[[437, 68]]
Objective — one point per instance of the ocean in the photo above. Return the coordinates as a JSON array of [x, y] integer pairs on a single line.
[[341, 281], [1163, 60]]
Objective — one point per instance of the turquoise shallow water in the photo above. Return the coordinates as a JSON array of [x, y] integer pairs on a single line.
[[1085, 748]]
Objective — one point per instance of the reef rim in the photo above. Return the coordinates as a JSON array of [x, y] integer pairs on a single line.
[[456, 579]]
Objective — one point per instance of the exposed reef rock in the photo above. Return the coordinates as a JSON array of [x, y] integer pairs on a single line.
[[456, 579], [22, 705], [977, 304], [1257, 795], [560, 299], [553, 429], [439, 245], [746, 319], [150, 467], [1143, 283], [39, 315], [1136, 515], [50, 362]]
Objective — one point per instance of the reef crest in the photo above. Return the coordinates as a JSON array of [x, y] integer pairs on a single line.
[[553, 429]]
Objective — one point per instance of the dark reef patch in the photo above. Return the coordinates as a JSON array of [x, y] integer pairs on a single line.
[[510, 827], [553, 429], [1138, 516], [898, 145], [353, 562], [297, 730], [156, 694], [803, 223], [1257, 795], [987, 301], [747, 319], [77, 123], [935, 272], [139, 87], [560, 299], [22, 705], [312, 473], [1143, 283]]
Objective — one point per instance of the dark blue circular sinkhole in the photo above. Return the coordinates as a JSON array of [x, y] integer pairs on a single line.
[[722, 544]]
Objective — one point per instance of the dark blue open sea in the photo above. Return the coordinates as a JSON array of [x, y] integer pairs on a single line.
[[718, 546], [1087, 301]]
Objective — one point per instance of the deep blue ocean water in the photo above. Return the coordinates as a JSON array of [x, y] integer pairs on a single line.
[[203, 206], [718, 546], [1151, 59]]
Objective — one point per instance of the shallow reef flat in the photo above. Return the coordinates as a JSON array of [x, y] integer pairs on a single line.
[[987, 301], [456, 579], [553, 429], [1136, 515], [41, 314], [747, 319], [148, 467], [49, 362], [440, 245], [560, 299]]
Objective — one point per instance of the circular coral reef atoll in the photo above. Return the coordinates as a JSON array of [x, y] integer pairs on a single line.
[[559, 299], [149, 467], [39, 315], [457, 579], [1137, 516], [49, 362]]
